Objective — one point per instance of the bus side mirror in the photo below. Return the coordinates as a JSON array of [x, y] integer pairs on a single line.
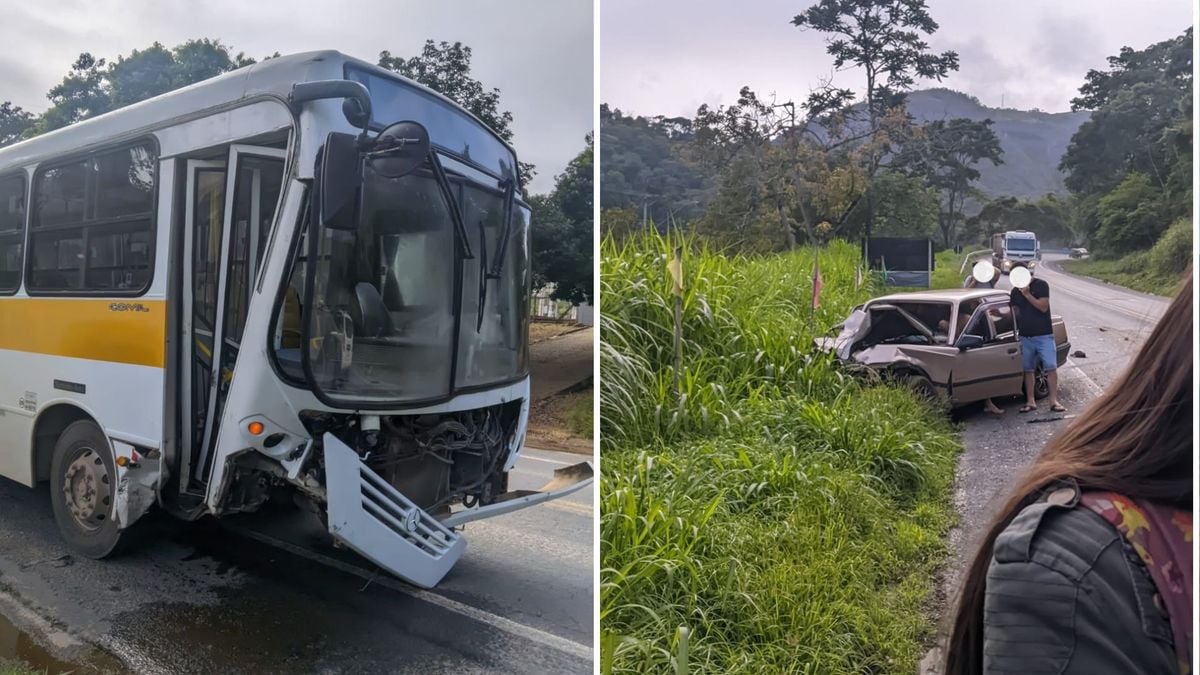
[[340, 182]]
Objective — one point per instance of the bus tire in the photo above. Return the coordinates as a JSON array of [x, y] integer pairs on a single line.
[[83, 490]]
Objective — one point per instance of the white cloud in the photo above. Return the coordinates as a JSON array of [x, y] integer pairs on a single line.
[[1030, 53], [537, 52]]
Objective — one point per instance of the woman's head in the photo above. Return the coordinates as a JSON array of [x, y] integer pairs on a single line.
[[1135, 439]]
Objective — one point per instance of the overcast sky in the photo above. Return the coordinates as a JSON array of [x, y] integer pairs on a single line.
[[537, 52], [668, 57]]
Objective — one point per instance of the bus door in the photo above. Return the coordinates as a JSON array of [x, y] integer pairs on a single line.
[[230, 207]]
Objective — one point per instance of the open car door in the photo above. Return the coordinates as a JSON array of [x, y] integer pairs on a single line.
[[992, 369]]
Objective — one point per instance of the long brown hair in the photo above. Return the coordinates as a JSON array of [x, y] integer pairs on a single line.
[[1136, 440]]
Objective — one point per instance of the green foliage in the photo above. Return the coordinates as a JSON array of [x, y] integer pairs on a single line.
[[904, 206], [1050, 217], [1136, 146], [946, 272], [643, 167], [945, 153], [562, 232], [1172, 253], [446, 69], [581, 415], [1159, 270], [618, 222], [14, 123], [788, 516], [1131, 217], [885, 39], [95, 86]]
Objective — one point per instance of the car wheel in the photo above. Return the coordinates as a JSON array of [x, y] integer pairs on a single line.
[[1041, 384], [83, 490], [921, 386]]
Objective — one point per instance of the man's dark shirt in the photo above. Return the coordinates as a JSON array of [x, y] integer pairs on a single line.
[[1032, 321]]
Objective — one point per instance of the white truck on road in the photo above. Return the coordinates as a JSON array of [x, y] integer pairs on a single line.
[[1015, 248]]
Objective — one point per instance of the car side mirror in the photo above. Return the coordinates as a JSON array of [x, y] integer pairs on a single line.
[[970, 342]]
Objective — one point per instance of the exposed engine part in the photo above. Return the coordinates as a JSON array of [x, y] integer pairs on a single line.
[[435, 460]]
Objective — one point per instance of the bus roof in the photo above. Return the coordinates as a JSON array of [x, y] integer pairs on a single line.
[[272, 77]]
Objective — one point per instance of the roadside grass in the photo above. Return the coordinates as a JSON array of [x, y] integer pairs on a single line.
[[14, 667], [778, 515], [945, 270], [581, 414], [1158, 270]]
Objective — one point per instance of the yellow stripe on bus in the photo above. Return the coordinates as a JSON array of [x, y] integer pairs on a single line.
[[122, 331]]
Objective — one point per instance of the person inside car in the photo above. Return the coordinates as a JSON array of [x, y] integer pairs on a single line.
[[1087, 567]]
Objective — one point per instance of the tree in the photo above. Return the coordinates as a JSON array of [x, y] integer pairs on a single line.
[[904, 206], [645, 168], [1131, 217], [446, 69], [1049, 216], [945, 153], [805, 172], [884, 38], [562, 231], [14, 123], [1138, 141], [96, 86]]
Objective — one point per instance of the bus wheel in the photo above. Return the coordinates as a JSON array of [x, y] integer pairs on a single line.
[[83, 487]]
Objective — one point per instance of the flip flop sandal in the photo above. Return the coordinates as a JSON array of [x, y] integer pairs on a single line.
[[1057, 408], [1027, 408]]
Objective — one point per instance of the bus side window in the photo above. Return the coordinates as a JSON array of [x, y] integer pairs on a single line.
[[12, 231], [93, 222]]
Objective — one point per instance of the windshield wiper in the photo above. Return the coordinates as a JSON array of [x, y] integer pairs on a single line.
[[510, 194], [460, 227]]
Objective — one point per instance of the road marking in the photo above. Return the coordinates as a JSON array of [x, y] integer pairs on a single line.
[[1092, 385], [573, 507], [582, 458], [496, 621], [1142, 319]]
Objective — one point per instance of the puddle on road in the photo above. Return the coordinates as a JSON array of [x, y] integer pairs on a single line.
[[16, 645]]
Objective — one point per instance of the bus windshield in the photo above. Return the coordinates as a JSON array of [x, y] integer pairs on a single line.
[[399, 315]]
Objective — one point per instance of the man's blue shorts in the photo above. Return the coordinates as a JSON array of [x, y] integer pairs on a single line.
[[1038, 348]]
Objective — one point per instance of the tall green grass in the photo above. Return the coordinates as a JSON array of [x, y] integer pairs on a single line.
[[777, 515], [1159, 270]]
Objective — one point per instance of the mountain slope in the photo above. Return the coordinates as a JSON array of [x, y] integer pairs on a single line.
[[1033, 141]]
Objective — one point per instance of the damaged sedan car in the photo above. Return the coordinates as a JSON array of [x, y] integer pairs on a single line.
[[957, 345]]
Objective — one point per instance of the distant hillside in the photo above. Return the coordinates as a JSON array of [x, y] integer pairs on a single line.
[[1033, 142], [640, 166]]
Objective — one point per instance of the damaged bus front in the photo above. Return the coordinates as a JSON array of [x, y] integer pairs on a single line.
[[414, 330]]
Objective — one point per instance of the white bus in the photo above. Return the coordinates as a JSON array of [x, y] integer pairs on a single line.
[[261, 286]]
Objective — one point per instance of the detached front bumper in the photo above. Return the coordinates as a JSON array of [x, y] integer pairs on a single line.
[[378, 522]]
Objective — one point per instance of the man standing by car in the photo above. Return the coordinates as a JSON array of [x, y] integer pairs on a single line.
[[1031, 305]]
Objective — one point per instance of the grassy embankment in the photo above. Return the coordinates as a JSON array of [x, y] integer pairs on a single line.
[[1158, 270], [779, 516]]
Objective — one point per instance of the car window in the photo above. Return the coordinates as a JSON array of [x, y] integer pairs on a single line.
[[1001, 320], [935, 315]]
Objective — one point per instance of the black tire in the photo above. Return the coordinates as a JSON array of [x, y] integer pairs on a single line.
[[1041, 385], [93, 534], [921, 386]]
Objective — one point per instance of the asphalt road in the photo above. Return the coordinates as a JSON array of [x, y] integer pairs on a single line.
[[1108, 324], [201, 598]]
